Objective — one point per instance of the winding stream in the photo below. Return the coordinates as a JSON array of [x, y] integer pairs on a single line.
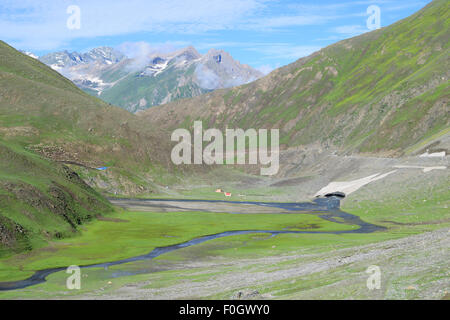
[[325, 208]]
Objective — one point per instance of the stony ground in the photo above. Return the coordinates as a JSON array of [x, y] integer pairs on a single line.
[[413, 262], [411, 267]]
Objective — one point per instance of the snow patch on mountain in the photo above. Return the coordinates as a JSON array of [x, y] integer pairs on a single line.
[[148, 75]]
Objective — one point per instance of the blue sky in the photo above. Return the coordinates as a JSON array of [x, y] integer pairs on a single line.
[[262, 33]]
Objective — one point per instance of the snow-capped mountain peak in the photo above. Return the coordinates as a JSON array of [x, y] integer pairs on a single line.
[[140, 82], [64, 59]]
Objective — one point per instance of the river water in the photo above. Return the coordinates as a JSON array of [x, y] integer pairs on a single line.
[[325, 208]]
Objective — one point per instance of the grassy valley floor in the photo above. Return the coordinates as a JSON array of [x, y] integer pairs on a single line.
[[412, 254]]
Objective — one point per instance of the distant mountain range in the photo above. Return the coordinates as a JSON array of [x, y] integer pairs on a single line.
[[139, 83], [383, 92]]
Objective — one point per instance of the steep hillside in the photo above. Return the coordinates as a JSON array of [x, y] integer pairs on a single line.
[[381, 92], [46, 113], [48, 128], [41, 200], [150, 79]]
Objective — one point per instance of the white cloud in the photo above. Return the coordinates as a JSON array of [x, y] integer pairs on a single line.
[[408, 5], [271, 50], [140, 53], [286, 21], [206, 77], [266, 69], [143, 48], [339, 5], [42, 24], [351, 30], [284, 50]]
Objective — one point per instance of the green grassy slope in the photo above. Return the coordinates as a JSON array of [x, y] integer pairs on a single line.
[[128, 92], [41, 200], [46, 122], [43, 111], [379, 92]]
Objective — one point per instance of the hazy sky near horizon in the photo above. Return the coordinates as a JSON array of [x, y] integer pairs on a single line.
[[262, 33]]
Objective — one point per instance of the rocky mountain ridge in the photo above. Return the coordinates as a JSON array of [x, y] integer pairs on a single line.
[[150, 79]]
